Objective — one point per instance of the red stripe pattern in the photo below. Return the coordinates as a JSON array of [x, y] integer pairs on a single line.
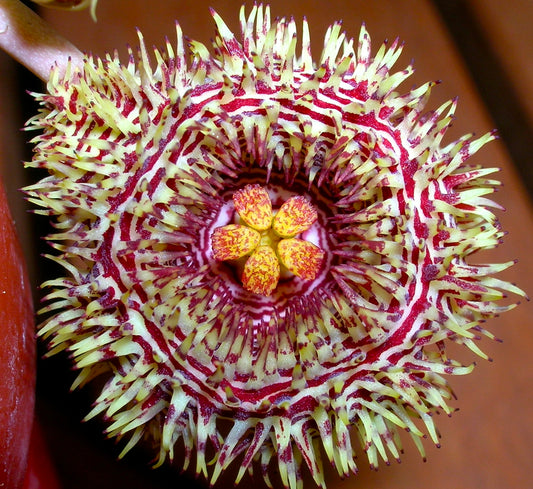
[[143, 158]]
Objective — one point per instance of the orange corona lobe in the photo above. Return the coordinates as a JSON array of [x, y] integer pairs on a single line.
[[295, 216], [253, 205], [261, 271], [233, 241], [302, 258]]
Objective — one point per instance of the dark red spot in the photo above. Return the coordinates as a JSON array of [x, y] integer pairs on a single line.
[[430, 272]]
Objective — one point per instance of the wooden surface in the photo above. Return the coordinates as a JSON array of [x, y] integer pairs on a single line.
[[487, 443]]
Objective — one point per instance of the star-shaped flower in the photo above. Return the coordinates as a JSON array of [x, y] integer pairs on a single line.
[[264, 255]]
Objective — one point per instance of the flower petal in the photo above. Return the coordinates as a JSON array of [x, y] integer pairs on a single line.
[[233, 241], [302, 258], [261, 271], [142, 160], [295, 216], [253, 205]]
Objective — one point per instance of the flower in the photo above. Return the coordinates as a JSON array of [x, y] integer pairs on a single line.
[[166, 179]]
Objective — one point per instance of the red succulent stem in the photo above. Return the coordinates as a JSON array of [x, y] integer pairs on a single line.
[[17, 355], [40, 473], [32, 42]]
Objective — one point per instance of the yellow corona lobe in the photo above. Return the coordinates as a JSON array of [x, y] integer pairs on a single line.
[[302, 258], [295, 216], [261, 271], [233, 241], [253, 205]]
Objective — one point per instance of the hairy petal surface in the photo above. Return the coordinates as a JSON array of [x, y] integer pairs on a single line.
[[144, 159]]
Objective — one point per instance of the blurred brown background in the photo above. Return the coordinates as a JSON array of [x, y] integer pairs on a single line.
[[483, 53]]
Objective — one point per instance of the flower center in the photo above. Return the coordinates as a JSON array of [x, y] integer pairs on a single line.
[[265, 241]]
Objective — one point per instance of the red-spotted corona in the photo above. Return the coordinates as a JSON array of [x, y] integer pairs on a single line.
[[265, 254]]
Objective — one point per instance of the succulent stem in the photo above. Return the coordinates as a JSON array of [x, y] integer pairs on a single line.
[[32, 42]]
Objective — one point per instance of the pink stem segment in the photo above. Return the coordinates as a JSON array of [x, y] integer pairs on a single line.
[[32, 42]]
